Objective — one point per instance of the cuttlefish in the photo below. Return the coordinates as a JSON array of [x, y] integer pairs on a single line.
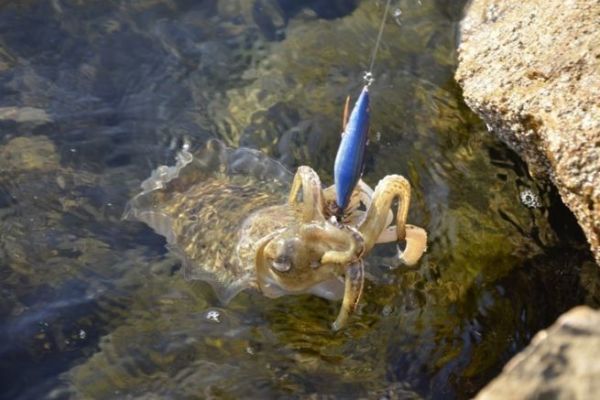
[[226, 214]]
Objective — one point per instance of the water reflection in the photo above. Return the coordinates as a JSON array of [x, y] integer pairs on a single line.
[[95, 95]]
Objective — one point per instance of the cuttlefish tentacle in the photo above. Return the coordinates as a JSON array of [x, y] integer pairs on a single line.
[[366, 193], [375, 227], [354, 283], [416, 245], [355, 248], [312, 194], [389, 188], [416, 242]]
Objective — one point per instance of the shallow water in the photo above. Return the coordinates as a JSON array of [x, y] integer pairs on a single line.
[[94, 95]]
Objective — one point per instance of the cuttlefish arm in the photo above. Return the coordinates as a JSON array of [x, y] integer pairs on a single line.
[[416, 242], [307, 181], [354, 281], [375, 226]]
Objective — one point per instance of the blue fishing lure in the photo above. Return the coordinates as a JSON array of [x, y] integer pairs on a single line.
[[351, 153]]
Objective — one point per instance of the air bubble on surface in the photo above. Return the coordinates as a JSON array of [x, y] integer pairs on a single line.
[[530, 199], [397, 14], [213, 316]]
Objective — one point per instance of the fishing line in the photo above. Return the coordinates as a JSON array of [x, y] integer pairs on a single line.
[[368, 77]]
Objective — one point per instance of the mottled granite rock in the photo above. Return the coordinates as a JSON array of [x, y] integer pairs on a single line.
[[562, 362], [531, 70]]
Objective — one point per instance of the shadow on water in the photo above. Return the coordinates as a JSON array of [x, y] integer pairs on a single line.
[[95, 95]]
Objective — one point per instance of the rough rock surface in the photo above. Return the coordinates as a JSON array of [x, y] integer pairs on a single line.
[[531, 70], [560, 363]]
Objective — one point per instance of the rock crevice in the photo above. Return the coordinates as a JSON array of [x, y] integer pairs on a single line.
[[531, 70]]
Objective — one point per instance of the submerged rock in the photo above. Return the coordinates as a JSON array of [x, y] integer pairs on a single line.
[[530, 70], [33, 115], [28, 153], [560, 363]]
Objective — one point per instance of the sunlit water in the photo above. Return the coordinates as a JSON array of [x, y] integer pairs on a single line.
[[94, 95]]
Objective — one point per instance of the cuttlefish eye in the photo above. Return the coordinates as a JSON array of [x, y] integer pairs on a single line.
[[282, 263], [281, 252]]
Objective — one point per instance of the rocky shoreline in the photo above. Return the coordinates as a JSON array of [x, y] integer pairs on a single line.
[[560, 363], [531, 70]]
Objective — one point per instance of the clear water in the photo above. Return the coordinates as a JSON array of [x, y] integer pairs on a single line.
[[96, 94]]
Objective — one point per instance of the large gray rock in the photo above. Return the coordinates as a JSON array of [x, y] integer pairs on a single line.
[[531, 70], [562, 362]]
